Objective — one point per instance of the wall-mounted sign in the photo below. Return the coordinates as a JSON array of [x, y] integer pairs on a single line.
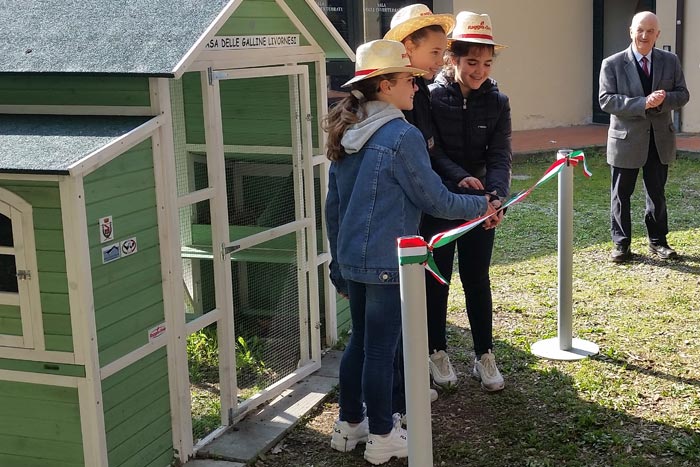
[[269, 41], [106, 229]]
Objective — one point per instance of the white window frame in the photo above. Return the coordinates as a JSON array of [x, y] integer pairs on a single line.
[[27, 297]]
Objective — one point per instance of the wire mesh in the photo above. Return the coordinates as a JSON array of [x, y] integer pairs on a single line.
[[269, 284], [203, 366], [267, 315], [202, 344]]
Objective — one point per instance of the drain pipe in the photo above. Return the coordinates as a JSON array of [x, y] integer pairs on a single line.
[[680, 18]]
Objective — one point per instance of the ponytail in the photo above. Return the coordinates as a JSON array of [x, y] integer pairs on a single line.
[[347, 112]]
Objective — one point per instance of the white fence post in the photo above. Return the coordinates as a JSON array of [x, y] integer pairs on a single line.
[[415, 352], [564, 346]]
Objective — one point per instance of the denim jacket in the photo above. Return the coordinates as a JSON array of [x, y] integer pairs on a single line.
[[377, 195]]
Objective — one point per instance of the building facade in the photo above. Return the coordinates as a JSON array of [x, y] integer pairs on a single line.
[[550, 69]]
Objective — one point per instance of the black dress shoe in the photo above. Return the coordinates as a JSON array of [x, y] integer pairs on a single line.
[[663, 251], [621, 254]]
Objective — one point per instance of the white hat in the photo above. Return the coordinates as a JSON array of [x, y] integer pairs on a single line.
[[473, 27], [411, 18], [381, 57]]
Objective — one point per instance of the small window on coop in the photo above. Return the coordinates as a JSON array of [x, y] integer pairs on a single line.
[[18, 279]]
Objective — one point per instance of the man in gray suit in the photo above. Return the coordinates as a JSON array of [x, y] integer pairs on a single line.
[[639, 87]]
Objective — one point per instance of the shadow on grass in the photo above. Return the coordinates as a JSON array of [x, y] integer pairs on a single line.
[[543, 418], [685, 263], [646, 370]]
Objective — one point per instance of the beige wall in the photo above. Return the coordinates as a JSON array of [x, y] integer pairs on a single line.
[[691, 61], [546, 70]]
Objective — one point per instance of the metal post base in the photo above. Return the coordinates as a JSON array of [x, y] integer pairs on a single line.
[[549, 348]]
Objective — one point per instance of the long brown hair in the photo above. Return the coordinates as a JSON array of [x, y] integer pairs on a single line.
[[348, 111]]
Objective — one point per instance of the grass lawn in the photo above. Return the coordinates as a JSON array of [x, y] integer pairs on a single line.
[[637, 403]]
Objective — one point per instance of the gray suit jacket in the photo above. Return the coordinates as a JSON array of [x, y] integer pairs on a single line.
[[622, 96]]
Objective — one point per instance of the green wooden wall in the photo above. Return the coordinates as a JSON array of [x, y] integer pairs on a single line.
[[51, 261], [74, 90], [254, 111], [259, 17], [39, 426], [127, 292], [137, 414]]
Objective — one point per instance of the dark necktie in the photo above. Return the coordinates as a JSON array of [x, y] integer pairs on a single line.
[[645, 66]]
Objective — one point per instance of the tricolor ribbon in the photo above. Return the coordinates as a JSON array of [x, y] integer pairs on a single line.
[[417, 251]]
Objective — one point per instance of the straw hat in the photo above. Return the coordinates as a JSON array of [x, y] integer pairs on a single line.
[[473, 27], [381, 57], [410, 19]]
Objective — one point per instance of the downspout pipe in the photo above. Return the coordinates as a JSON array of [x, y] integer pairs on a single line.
[[680, 18]]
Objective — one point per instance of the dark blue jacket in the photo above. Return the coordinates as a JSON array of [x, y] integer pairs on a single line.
[[472, 135]]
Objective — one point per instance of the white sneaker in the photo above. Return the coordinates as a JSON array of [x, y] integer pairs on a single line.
[[345, 436], [486, 371], [441, 369], [381, 449]]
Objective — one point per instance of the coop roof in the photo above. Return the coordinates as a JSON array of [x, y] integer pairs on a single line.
[[45, 144], [144, 37]]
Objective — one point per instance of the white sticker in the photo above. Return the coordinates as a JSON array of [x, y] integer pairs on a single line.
[[155, 332], [128, 246], [110, 253], [106, 229]]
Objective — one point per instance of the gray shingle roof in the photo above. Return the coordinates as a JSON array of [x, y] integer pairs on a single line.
[[101, 36], [48, 144]]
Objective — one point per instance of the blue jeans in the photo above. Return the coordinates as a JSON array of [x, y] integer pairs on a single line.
[[366, 369]]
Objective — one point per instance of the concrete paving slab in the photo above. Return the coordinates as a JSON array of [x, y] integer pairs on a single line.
[[264, 427]]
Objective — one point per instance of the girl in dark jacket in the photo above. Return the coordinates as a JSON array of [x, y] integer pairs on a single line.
[[424, 35], [472, 154]]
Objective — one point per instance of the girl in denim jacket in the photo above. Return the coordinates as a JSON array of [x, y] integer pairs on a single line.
[[380, 182]]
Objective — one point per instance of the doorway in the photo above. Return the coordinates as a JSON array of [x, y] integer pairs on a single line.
[[611, 21]]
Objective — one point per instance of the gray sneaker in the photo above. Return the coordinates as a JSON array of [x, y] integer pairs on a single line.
[[486, 371], [441, 369]]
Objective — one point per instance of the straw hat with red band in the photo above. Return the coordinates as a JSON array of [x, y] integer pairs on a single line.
[[473, 27], [411, 18], [381, 57]]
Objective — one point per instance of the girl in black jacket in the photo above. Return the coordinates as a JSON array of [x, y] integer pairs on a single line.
[[424, 35], [472, 153]]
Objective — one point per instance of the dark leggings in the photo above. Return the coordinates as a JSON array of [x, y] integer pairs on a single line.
[[474, 257]]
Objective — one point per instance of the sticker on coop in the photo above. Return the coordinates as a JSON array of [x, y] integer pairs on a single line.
[[110, 253], [106, 229], [128, 246]]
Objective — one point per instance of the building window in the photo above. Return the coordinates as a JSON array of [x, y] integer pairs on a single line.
[[357, 22], [19, 290]]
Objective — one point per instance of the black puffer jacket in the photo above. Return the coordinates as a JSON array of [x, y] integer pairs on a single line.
[[472, 135], [420, 116]]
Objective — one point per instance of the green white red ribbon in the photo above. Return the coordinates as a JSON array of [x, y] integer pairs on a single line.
[[417, 251]]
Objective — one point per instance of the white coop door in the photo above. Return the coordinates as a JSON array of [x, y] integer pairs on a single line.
[[263, 216]]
